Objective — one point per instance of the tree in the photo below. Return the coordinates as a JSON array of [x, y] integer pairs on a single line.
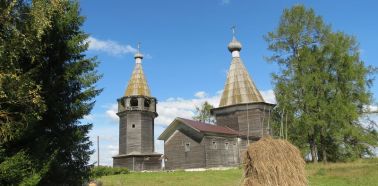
[[322, 86], [47, 86], [203, 113]]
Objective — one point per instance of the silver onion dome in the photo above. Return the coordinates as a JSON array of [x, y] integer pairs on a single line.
[[234, 45], [138, 55]]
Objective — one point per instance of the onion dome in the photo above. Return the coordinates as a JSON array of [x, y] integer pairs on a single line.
[[234, 45], [138, 55]]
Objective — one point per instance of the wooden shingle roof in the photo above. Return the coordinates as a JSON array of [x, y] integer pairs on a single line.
[[196, 128], [207, 127]]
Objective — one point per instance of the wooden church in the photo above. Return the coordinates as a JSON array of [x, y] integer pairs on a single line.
[[241, 118]]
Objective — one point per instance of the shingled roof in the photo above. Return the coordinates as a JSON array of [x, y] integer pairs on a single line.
[[239, 87], [207, 127], [137, 85], [199, 127]]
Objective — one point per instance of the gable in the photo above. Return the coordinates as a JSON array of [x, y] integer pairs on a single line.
[[178, 125]]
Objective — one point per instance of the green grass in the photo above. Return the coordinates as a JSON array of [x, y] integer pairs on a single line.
[[361, 172]]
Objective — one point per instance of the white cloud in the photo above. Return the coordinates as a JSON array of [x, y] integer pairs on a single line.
[[269, 96], [113, 149], [109, 46], [370, 108], [159, 146], [373, 108], [200, 94], [108, 144], [171, 108], [89, 117], [111, 112]]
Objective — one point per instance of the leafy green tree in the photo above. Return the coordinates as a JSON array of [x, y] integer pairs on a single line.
[[46, 87], [322, 86], [203, 113]]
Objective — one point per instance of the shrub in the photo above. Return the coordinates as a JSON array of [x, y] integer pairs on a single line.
[[100, 171]]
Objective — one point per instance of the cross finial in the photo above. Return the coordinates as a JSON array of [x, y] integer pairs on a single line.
[[233, 28], [138, 46]]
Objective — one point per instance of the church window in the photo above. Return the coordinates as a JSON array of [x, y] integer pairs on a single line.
[[134, 102], [226, 145], [214, 145], [187, 147], [133, 125]]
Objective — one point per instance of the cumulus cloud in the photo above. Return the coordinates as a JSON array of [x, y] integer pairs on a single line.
[[109, 46], [111, 112], [200, 94], [269, 96], [178, 107], [113, 149], [159, 146], [371, 108], [108, 144]]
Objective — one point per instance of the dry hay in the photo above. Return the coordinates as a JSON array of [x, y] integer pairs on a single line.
[[273, 162]]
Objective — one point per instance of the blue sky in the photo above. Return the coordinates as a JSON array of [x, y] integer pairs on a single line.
[[185, 48]]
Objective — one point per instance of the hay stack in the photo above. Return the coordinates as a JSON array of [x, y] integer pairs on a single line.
[[273, 162]]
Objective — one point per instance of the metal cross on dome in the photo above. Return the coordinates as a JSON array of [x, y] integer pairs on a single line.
[[138, 46], [233, 28]]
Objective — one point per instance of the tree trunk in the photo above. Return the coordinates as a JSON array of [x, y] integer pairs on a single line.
[[314, 150], [324, 155], [323, 142]]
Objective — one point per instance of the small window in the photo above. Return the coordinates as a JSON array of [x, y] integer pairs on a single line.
[[226, 145], [134, 102], [133, 125], [187, 147], [214, 145], [147, 103]]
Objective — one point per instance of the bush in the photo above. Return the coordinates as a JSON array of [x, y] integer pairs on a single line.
[[100, 171]]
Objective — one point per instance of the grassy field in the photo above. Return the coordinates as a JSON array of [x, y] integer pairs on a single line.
[[361, 172]]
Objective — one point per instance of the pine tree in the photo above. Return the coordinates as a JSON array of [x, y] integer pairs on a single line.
[[322, 86], [46, 87]]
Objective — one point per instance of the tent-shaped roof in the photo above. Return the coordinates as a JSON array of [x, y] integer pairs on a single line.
[[137, 85], [239, 87]]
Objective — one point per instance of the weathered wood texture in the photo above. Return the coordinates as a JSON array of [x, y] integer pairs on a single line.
[[254, 117], [221, 151], [138, 163], [136, 134], [224, 153], [122, 135], [177, 158]]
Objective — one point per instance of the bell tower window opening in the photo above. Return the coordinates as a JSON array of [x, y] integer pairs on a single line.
[[134, 102], [147, 103]]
